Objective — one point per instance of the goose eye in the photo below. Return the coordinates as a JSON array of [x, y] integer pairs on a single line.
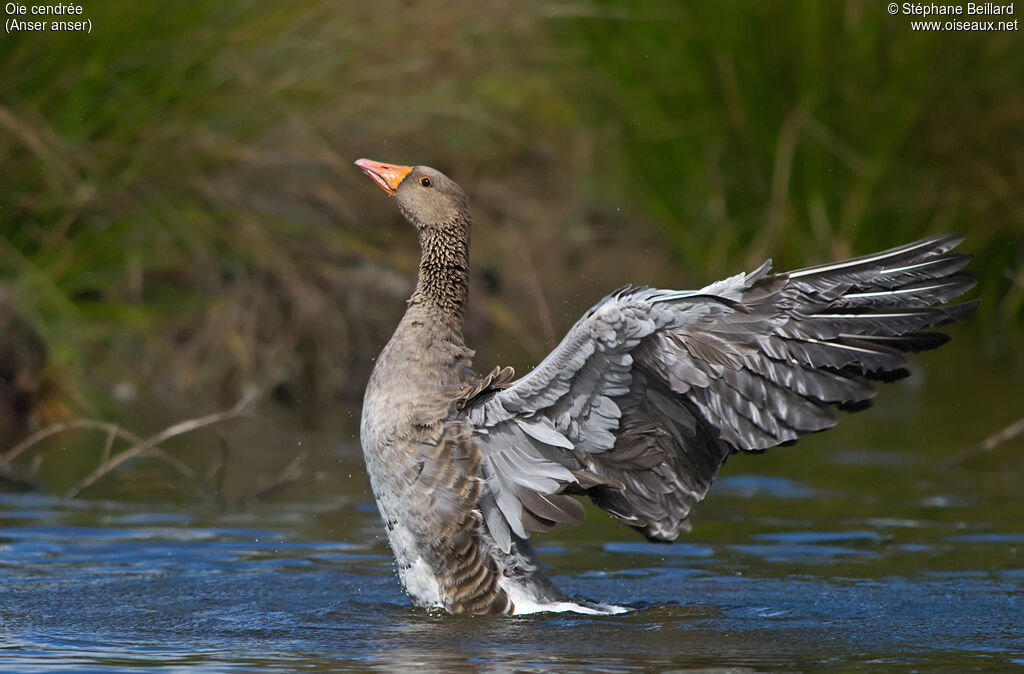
[[425, 181]]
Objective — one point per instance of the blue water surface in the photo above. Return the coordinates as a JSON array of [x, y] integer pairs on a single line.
[[109, 586]]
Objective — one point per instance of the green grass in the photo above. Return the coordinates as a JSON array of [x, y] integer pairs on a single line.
[[806, 130], [178, 207]]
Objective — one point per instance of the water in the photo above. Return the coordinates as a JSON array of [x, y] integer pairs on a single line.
[[856, 550], [102, 586]]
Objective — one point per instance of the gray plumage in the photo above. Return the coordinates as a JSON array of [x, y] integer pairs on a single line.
[[637, 408]]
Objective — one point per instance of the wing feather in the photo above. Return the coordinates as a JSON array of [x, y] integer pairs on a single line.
[[651, 390]]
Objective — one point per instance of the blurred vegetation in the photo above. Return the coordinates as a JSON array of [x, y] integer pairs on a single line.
[[806, 130], [180, 218]]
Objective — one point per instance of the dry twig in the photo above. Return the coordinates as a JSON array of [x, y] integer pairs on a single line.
[[113, 430], [212, 483], [988, 444], [290, 476], [150, 446], [138, 446]]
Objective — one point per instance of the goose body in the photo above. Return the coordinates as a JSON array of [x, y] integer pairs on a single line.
[[637, 408]]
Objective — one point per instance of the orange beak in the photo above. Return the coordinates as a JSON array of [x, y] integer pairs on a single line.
[[388, 176]]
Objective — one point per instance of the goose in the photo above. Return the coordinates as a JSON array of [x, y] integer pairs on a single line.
[[636, 409]]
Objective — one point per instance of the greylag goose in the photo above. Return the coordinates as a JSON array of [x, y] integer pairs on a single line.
[[637, 408]]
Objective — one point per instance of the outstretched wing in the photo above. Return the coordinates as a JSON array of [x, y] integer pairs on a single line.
[[652, 390]]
